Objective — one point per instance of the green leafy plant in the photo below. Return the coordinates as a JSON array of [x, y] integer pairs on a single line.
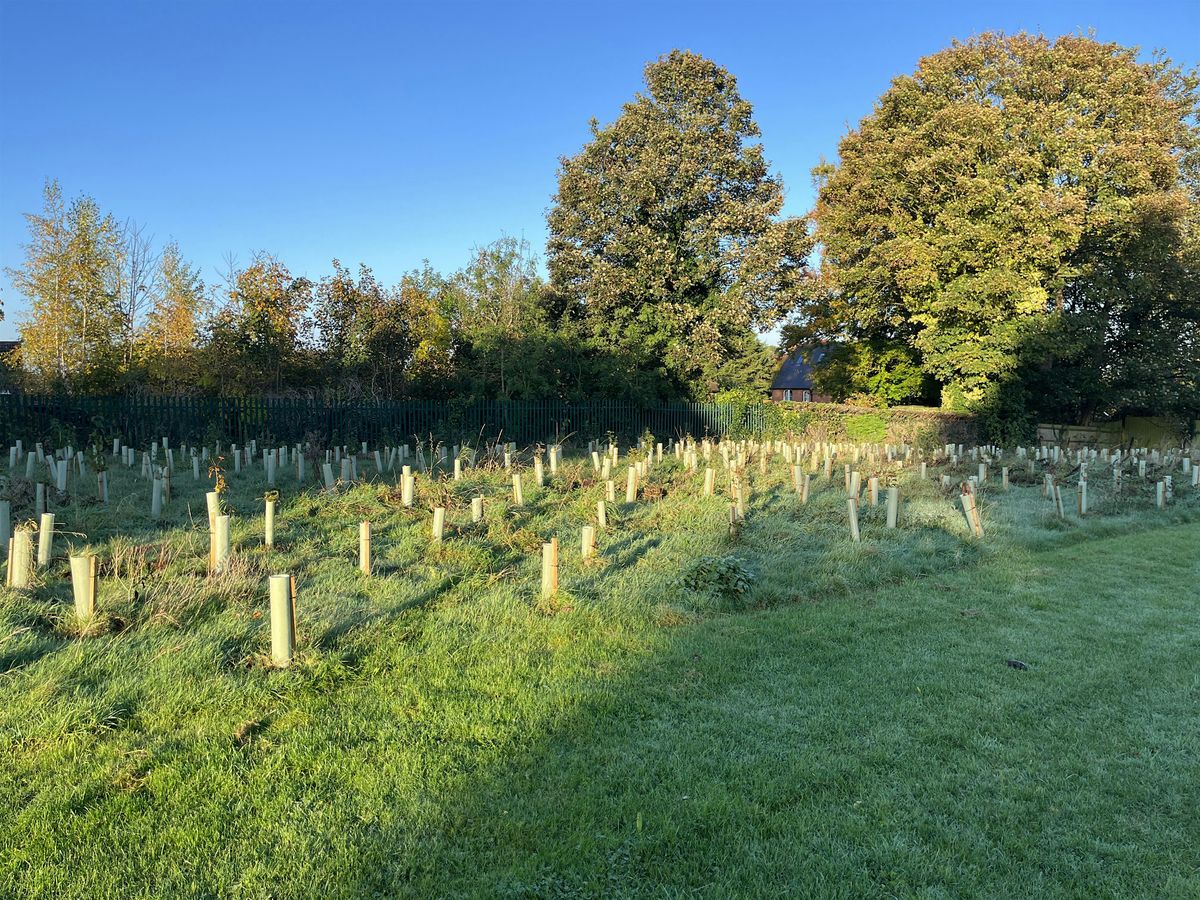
[[726, 579]]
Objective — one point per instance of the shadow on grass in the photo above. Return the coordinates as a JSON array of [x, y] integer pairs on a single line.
[[626, 551], [362, 616], [879, 746], [30, 649]]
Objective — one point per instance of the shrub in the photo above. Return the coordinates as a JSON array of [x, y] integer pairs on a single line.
[[725, 579]]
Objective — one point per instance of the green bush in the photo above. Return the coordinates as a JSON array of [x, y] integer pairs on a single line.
[[725, 579]]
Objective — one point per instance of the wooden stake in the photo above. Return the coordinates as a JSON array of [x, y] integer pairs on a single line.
[[364, 547], [972, 513], [550, 568]]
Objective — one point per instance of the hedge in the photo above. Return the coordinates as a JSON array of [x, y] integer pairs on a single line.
[[836, 422]]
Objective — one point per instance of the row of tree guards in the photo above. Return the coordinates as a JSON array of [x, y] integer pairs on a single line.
[[734, 458]]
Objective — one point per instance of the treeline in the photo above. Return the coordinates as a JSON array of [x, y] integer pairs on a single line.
[[110, 312], [1014, 231], [667, 254]]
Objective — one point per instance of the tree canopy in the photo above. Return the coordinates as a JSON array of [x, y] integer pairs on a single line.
[[71, 334], [665, 239], [1017, 211]]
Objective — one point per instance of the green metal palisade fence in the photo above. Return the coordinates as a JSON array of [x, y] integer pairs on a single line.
[[139, 419]]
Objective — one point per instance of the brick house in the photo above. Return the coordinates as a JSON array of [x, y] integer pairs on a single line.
[[794, 383]]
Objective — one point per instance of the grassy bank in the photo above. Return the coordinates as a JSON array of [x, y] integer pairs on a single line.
[[849, 724]]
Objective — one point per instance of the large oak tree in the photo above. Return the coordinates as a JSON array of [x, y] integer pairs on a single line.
[[1016, 211]]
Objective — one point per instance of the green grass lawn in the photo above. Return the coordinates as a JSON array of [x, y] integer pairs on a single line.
[[848, 726]]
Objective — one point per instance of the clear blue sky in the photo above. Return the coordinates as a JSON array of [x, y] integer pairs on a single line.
[[389, 133]]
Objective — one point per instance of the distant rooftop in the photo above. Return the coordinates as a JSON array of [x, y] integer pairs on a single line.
[[796, 372]]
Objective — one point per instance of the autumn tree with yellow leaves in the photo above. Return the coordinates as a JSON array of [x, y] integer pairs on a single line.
[[71, 335]]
